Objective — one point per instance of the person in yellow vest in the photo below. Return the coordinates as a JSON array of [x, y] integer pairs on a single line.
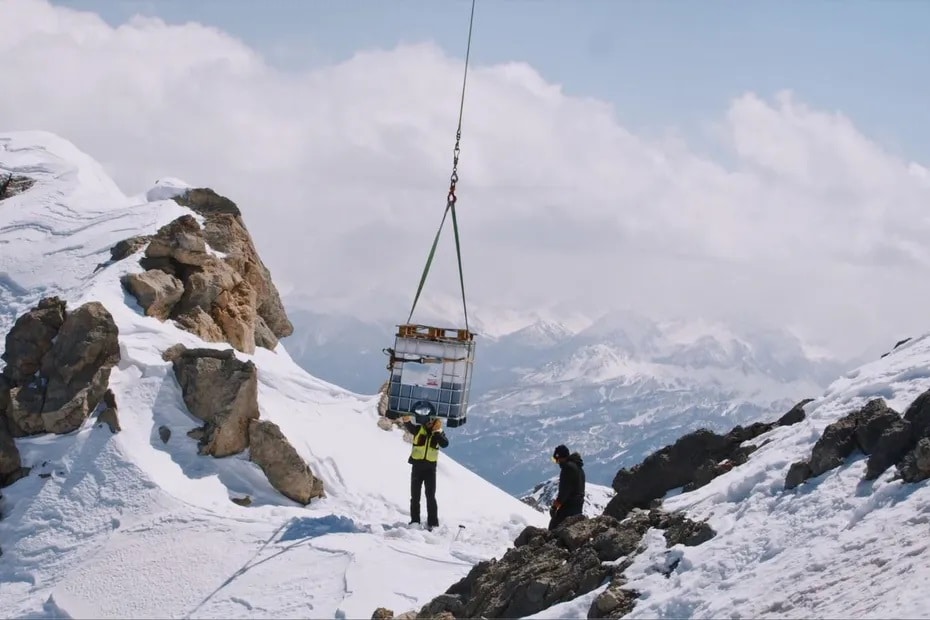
[[427, 440]]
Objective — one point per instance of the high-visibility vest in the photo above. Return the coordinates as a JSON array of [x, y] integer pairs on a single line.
[[422, 450]]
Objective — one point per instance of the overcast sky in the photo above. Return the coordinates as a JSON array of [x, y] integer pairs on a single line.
[[766, 161]]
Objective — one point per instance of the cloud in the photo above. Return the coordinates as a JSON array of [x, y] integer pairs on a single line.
[[341, 172]]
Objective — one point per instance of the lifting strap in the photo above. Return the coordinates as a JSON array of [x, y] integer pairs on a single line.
[[451, 198]]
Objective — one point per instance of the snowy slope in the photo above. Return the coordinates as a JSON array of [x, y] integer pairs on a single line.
[[128, 526], [835, 547]]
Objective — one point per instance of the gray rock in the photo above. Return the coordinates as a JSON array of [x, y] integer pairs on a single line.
[[155, 290]]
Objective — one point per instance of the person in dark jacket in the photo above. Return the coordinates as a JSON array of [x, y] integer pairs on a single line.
[[427, 440], [570, 500]]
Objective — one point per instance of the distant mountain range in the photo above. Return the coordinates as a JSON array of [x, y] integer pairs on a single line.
[[615, 390]]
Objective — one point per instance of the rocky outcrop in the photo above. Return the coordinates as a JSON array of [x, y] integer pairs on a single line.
[[285, 470], [12, 184], [108, 413], [879, 432], [209, 280], [57, 367], [691, 462], [11, 466], [220, 390], [548, 567]]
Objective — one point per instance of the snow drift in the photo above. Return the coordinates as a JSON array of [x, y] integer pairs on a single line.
[[131, 524]]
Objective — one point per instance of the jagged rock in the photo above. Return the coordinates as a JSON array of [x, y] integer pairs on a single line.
[[30, 339], [835, 444], [544, 568], [285, 469], [877, 431], [679, 530], [164, 433], [692, 461], [614, 602], [242, 501], [382, 613], [11, 466], [915, 466], [12, 184], [797, 473], [892, 444], [55, 377], [221, 390], [128, 247], [225, 231], [794, 415], [181, 240], [155, 290], [221, 298], [201, 324], [108, 416], [897, 344]]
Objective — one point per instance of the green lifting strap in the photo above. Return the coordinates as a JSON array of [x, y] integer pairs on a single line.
[[451, 199]]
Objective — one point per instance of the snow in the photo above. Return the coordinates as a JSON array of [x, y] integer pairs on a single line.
[[834, 547], [125, 525]]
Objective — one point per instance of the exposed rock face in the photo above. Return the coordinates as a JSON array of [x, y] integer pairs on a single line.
[[881, 433], [12, 184], [57, 367], [691, 462], [11, 466], [285, 470], [221, 298], [109, 415], [222, 391], [545, 568]]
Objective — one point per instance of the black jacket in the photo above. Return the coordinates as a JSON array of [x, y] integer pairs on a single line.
[[571, 485]]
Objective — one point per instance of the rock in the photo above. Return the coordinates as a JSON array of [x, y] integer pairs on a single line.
[[221, 390], [180, 240], [220, 298], [545, 568], [108, 416], [890, 447], [679, 530], [285, 469], [918, 415], [12, 184], [797, 473], [30, 339], [225, 231], [57, 391], [128, 247], [835, 444], [693, 460], [614, 602], [156, 291], [795, 414], [242, 501], [382, 613], [11, 466], [164, 433], [915, 466]]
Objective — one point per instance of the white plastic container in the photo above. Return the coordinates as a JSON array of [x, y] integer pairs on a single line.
[[431, 371]]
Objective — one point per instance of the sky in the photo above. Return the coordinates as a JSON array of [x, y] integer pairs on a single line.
[[755, 161]]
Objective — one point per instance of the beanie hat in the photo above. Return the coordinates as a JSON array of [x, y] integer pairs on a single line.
[[561, 452]]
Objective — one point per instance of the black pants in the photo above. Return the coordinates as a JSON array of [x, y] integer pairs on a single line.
[[563, 514], [423, 474]]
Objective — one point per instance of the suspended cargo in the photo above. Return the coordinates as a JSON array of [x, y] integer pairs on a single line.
[[431, 369]]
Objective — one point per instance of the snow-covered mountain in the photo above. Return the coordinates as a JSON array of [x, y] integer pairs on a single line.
[[615, 390], [126, 515], [139, 522]]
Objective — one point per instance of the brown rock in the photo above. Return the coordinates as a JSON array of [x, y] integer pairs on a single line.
[[155, 290], [30, 339], [221, 390], [285, 470]]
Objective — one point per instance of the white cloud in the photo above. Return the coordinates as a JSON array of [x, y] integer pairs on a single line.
[[342, 171]]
